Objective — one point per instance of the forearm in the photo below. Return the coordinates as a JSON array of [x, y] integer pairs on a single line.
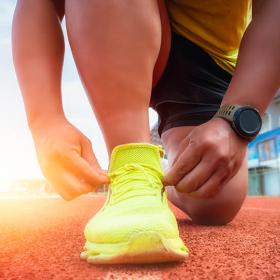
[[38, 50], [257, 75]]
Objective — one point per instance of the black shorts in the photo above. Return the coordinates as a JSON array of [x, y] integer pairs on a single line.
[[191, 88]]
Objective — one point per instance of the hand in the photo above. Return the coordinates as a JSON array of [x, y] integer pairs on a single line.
[[66, 158], [209, 157]]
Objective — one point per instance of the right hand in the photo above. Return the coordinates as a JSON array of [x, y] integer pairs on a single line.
[[66, 159]]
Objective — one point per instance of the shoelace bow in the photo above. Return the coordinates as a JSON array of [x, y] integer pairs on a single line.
[[126, 184]]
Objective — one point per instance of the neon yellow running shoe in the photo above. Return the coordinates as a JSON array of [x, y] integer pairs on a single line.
[[135, 225]]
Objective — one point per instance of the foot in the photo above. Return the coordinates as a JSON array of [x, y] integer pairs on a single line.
[[135, 225]]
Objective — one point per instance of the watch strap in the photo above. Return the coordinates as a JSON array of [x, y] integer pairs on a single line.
[[227, 111]]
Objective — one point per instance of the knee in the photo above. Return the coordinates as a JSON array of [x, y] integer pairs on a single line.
[[218, 211], [128, 28], [213, 218], [126, 53]]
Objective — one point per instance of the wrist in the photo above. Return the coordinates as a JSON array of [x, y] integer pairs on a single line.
[[40, 122], [222, 123], [244, 98]]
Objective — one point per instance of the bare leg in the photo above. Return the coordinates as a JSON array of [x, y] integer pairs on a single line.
[[116, 45], [38, 50], [218, 210]]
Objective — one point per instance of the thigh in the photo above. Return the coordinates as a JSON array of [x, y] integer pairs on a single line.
[[220, 209]]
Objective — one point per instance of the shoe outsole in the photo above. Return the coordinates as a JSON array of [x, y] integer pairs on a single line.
[[144, 247]]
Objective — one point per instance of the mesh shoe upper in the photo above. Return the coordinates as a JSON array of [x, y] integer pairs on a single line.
[[136, 200]]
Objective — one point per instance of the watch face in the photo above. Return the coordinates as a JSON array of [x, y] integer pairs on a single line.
[[248, 121]]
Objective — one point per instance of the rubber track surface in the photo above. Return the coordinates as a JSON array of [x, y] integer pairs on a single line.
[[41, 238]]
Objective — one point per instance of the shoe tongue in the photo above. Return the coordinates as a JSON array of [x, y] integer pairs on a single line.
[[139, 153]]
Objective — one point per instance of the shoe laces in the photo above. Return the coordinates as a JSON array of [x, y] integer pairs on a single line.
[[132, 180]]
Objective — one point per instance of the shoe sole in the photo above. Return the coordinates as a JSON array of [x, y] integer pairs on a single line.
[[145, 247]]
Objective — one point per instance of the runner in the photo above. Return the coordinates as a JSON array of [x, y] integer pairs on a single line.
[[128, 59]]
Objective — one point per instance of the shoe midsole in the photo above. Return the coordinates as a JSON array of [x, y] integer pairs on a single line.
[[137, 243]]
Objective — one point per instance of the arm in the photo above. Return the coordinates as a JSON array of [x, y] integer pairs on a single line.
[[65, 155], [257, 75], [214, 153], [38, 50]]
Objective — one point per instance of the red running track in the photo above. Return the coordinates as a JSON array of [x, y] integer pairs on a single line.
[[41, 238]]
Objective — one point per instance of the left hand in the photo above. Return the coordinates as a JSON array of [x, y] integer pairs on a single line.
[[209, 157]]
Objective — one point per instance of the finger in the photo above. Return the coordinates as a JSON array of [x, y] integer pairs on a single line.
[[184, 164], [213, 185], [69, 186], [182, 146], [88, 154], [82, 169], [196, 177]]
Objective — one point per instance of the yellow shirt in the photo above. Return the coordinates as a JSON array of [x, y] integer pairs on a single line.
[[217, 26]]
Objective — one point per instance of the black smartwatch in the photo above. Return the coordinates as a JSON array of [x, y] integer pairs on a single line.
[[245, 120]]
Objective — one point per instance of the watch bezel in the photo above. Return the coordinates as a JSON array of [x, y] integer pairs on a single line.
[[237, 126]]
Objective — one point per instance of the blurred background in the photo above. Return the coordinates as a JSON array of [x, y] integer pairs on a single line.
[[19, 171]]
